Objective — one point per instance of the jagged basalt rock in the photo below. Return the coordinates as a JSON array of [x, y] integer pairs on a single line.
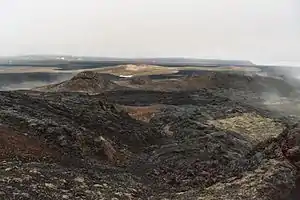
[[72, 122], [291, 145], [263, 183], [139, 144], [21, 147]]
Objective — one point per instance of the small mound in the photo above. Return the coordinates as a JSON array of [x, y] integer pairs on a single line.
[[88, 82], [95, 75], [140, 80]]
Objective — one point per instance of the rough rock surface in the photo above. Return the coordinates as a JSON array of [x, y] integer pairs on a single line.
[[140, 80], [199, 144]]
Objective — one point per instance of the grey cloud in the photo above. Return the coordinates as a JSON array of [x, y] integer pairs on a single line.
[[265, 31]]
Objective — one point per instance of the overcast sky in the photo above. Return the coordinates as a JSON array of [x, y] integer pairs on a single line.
[[264, 31]]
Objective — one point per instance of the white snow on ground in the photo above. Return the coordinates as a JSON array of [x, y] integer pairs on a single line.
[[125, 76]]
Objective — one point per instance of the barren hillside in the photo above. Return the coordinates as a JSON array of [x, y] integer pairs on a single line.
[[210, 136], [87, 82]]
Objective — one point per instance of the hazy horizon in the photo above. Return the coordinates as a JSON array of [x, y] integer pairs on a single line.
[[261, 31]]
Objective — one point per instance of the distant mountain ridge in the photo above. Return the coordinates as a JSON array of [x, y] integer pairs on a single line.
[[75, 62], [94, 58]]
